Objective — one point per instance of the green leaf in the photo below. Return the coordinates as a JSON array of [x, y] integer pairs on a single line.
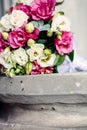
[[55, 70], [41, 26], [45, 27], [40, 22], [42, 41], [71, 56], [59, 60], [35, 23], [59, 3]]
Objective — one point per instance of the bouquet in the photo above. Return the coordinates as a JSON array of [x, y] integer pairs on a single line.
[[34, 38]]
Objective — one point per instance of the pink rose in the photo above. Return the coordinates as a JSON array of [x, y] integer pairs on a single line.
[[3, 43], [42, 9], [33, 35], [22, 7], [65, 44], [17, 38], [37, 69]]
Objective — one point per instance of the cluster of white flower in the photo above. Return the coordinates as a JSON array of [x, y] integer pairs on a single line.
[[60, 22], [16, 19]]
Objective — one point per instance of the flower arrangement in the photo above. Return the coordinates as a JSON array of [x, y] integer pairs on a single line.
[[34, 38]]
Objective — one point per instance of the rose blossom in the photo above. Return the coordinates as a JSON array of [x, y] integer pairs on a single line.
[[18, 18], [35, 52], [33, 35], [22, 7], [42, 9], [3, 43], [17, 38], [3, 62], [65, 44], [60, 22], [46, 61], [20, 56], [5, 23], [37, 69]]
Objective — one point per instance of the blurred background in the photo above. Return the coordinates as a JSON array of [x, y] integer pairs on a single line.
[[76, 11]]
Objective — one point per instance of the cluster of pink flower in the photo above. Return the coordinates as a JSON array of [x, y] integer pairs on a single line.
[[34, 39]]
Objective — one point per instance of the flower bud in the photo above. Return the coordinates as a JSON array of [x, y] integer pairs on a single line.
[[50, 33], [29, 28], [7, 49], [28, 67], [47, 52], [58, 33], [11, 72], [30, 42], [6, 54], [5, 35], [17, 71]]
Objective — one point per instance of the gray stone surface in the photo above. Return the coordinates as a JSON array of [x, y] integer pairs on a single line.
[[44, 117], [27, 127], [52, 102], [64, 88]]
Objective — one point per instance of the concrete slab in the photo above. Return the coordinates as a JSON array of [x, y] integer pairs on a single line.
[[64, 88]]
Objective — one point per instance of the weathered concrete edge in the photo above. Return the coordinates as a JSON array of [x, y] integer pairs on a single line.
[[5, 126], [34, 99], [66, 88]]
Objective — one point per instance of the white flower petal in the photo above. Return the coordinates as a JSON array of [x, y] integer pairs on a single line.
[[45, 61], [20, 56], [35, 52], [17, 18], [2, 62], [61, 22], [5, 22]]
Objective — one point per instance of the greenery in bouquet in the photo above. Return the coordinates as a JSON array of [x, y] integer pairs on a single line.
[[34, 38]]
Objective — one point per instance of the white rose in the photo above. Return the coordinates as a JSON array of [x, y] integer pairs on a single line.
[[6, 54], [2, 29], [35, 52], [60, 22], [8, 57], [17, 18], [46, 61], [5, 23], [3, 62], [20, 56]]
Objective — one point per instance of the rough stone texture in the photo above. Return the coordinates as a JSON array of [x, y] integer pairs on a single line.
[[44, 117], [64, 88], [27, 127], [52, 102]]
